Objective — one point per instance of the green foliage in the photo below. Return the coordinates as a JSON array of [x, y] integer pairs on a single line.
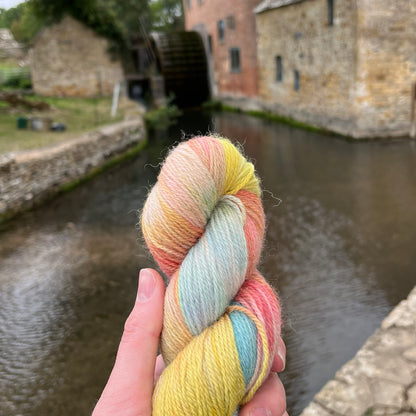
[[116, 20], [94, 13], [15, 78], [8, 16], [167, 15], [27, 25], [163, 117]]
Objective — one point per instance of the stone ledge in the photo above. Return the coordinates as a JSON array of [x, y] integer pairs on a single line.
[[28, 177], [381, 378]]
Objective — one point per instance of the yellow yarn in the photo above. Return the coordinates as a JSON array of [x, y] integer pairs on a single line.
[[210, 362], [240, 173]]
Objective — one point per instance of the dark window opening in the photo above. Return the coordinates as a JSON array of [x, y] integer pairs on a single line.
[[221, 34], [297, 80], [331, 12], [210, 43], [230, 22], [200, 1], [188, 4], [279, 69], [235, 59]]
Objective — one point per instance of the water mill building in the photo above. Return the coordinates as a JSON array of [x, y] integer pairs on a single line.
[[344, 65], [228, 29]]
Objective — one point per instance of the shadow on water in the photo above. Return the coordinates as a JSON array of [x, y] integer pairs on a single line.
[[339, 249]]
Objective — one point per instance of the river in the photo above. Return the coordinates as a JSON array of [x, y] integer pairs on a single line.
[[340, 249]]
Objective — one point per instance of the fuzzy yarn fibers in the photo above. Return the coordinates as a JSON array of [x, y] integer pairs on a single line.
[[203, 222]]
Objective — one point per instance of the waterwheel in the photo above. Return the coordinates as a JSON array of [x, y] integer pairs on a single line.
[[182, 62]]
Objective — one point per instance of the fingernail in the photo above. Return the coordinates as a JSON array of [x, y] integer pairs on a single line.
[[283, 358], [260, 412], [146, 285]]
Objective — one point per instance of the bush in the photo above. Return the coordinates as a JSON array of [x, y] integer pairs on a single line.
[[163, 117], [15, 78]]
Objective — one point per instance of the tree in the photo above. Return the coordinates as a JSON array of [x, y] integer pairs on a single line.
[[167, 15], [25, 27]]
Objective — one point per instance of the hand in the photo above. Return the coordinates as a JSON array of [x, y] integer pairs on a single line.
[[129, 389]]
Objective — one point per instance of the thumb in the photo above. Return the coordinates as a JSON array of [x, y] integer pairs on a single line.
[[130, 385]]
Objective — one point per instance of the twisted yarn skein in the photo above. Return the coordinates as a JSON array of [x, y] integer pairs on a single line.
[[203, 222]]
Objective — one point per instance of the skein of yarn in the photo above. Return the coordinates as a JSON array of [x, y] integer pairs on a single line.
[[203, 222]]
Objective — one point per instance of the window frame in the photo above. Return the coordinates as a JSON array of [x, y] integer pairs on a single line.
[[279, 68], [235, 57], [331, 7], [296, 80], [221, 31]]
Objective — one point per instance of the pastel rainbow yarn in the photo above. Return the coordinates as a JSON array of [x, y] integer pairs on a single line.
[[203, 222]]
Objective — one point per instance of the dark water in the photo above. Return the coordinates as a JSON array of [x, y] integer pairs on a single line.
[[340, 249]]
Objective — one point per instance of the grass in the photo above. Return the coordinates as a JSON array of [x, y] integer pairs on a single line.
[[78, 114]]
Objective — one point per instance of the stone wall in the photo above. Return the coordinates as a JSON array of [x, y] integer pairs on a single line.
[[381, 378], [324, 56], [69, 59], [355, 77], [28, 177], [239, 32], [386, 66]]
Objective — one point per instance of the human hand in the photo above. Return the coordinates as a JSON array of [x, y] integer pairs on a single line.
[[130, 387]]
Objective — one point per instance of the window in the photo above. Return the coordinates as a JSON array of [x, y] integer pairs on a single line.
[[235, 59], [297, 80], [330, 12], [200, 1], [279, 69], [221, 34], [188, 3], [230, 22], [210, 43]]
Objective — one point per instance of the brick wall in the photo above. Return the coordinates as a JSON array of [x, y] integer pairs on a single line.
[[69, 59], [204, 16]]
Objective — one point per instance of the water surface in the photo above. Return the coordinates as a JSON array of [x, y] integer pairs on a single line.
[[339, 249]]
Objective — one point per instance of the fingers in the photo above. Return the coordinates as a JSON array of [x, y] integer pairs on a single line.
[[130, 385], [269, 400]]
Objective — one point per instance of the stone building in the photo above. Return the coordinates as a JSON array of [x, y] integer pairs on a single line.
[[344, 65], [229, 31], [70, 59], [9, 48]]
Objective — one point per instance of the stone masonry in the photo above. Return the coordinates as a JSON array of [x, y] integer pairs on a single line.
[[69, 59], [355, 74], [381, 379], [28, 177]]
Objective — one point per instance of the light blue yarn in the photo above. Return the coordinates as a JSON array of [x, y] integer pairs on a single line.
[[245, 334], [214, 268]]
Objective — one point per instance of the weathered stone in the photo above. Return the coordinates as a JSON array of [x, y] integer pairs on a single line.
[[381, 379], [387, 393], [411, 397], [39, 173], [410, 354], [355, 76], [401, 316], [69, 59], [345, 399], [314, 409]]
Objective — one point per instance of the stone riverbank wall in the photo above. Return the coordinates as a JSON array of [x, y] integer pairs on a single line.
[[381, 378], [29, 177]]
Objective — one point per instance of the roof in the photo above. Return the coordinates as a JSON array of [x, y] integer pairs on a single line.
[[274, 4]]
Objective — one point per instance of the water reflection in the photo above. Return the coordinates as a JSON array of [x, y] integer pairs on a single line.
[[339, 248]]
